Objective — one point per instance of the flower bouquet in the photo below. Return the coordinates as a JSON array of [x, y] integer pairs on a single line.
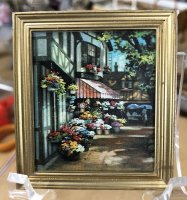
[[87, 116], [122, 121], [91, 126], [72, 88], [99, 126], [84, 133], [70, 150], [120, 105], [106, 129], [113, 118], [89, 68], [116, 126], [54, 136], [93, 68], [105, 105], [55, 83], [77, 122]]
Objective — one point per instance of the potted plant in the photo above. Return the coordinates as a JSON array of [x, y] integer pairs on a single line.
[[98, 131], [121, 120], [91, 126], [116, 126], [89, 68], [87, 116], [54, 83], [72, 88], [105, 105], [120, 105], [106, 129], [54, 136], [99, 126], [70, 150]]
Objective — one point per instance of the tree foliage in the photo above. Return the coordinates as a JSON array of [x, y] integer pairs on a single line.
[[139, 48]]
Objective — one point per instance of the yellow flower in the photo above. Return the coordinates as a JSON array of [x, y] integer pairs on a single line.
[[64, 145], [73, 145]]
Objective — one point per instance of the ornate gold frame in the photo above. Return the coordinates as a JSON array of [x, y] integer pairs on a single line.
[[164, 22]]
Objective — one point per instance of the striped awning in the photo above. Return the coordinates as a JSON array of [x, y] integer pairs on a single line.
[[95, 89]]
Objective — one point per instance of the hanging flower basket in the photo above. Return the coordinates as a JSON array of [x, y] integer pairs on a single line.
[[54, 83], [72, 92], [72, 89]]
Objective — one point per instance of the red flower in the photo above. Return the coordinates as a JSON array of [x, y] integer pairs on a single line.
[[89, 66]]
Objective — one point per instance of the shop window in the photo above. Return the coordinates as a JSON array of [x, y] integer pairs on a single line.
[[90, 54]]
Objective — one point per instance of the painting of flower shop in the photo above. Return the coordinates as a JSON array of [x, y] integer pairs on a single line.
[[94, 100]]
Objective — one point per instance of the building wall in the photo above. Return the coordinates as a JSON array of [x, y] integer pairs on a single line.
[[50, 109]]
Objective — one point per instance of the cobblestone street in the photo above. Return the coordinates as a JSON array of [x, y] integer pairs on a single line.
[[125, 151]]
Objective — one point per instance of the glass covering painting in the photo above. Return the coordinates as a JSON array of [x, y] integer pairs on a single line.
[[94, 100]]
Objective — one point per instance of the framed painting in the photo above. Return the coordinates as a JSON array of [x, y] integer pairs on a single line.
[[95, 98]]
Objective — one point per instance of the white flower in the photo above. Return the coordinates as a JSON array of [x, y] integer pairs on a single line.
[[107, 115], [80, 148], [91, 133], [77, 121], [106, 126], [113, 117]]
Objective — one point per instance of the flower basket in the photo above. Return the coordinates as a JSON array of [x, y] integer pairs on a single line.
[[72, 89], [72, 92], [98, 131], [116, 126], [54, 83], [106, 131]]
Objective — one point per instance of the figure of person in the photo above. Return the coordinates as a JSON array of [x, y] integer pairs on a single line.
[[116, 67], [144, 115]]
